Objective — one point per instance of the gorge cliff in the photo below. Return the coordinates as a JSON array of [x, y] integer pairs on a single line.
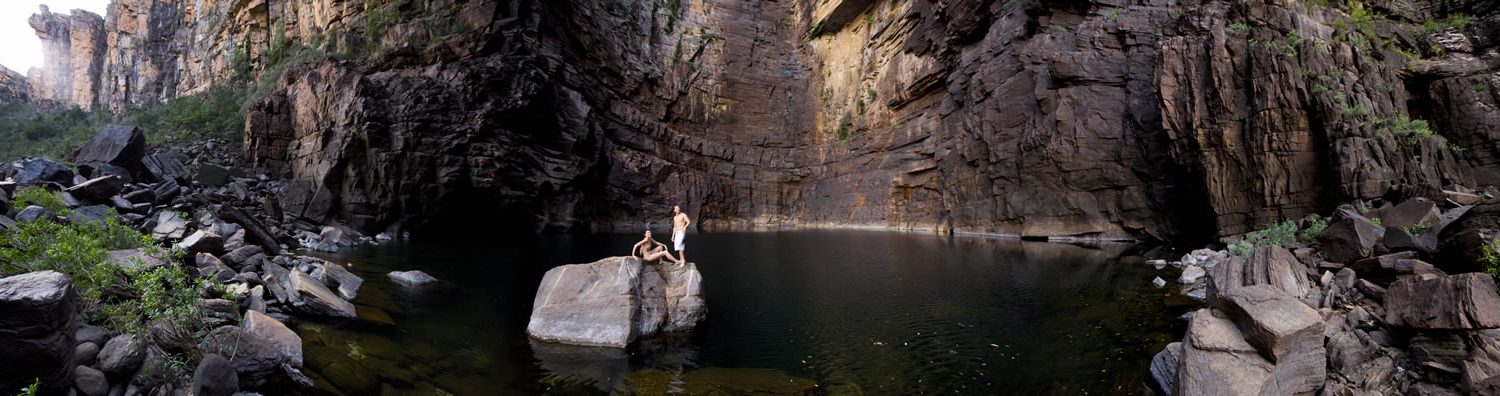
[[1096, 119]]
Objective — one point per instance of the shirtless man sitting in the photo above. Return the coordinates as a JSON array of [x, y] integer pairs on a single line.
[[651, 251]]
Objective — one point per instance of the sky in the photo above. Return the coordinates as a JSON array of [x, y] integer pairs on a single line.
[[19, 48]]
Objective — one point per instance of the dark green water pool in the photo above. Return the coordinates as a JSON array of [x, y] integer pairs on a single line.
[[828, 312]]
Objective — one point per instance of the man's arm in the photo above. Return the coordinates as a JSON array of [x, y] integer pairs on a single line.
[[635, 248]]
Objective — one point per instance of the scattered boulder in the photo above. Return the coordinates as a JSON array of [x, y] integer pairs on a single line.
[[167, 165], [40, 171], [117, 145], [36, 322], [203, 241], [314, 298], [1462, 242], [1418, 212], [1349, 236], [1386, 268], [135, 259], [215, 377], [96, 214], [413, 278], [254, 358], [1158, 282], [90, 382], [210, 175], [1463, 301], [614, 301], [240, 258], [90, 333], [1268, 265], [1191, 274], [34, 213], [210, 267], [281, 339], [347, 283], [122, 355], [98, 189], [1275, 323], [1164, 367], [86, 353], [169, 225], [1215, 358]]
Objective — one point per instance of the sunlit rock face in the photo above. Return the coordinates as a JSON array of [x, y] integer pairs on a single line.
[[71, 48], [1081, 119]]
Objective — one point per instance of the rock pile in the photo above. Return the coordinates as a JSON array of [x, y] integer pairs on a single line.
[[1357, 312], [615, 301], [230, 226]]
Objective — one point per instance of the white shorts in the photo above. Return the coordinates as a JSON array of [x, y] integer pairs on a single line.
[[677, 242]]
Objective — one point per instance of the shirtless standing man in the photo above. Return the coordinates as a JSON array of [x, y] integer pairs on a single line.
[[679, 232]]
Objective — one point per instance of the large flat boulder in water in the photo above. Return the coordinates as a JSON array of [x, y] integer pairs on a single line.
[[614, 301], [36, 328]]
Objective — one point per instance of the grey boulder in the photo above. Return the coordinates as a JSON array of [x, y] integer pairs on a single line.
[[313, 297], [36, 322], [411, 278], [122, 355], [614, 301]]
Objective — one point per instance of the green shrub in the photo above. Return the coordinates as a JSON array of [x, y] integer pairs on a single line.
[[1489, 256], [39, 196], [215, 113], [81, 251], [30, 390], [1314, 228], [35, 129], [1278, 234]]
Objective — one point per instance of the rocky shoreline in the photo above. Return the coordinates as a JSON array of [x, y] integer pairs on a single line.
[[1376, 299], [233, 228]]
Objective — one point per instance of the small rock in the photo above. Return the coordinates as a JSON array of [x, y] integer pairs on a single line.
[[314, 298], [90, 382], [34, 213], [122, 355], [169, 225], [215, 377], [1164, 367], [99, 189], [85, 354], [412, 278], [1159, 282], [1191, 274], [203, 242], [1349, 236], [211, 175], [282, 339]]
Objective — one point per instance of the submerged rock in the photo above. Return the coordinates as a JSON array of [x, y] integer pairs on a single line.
[[614, 301], [314, 298], [411, 278]]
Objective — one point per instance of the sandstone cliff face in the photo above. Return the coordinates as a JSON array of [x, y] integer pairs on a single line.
[[1088, 119], [1091, 119], [71, 44]]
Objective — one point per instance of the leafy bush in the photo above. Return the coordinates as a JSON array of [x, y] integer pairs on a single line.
[[217, 113], [82, 250], [1238, 29], [35, 129], [1277, 235], [1314, 228], [1489, 255], [39, 196]]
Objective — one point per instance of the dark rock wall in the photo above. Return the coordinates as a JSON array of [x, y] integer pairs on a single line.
[[1147, 119]]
